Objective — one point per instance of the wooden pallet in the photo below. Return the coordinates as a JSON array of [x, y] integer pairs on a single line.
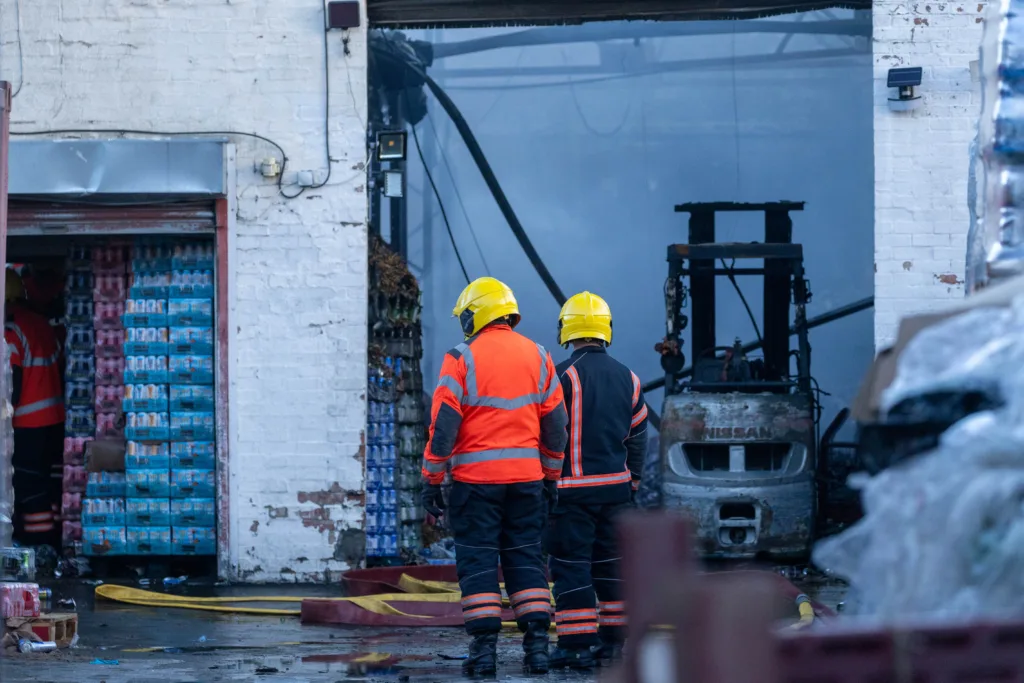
[[60, 627]]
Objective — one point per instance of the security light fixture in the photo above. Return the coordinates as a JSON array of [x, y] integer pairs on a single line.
[[905, 80], [391, 146], [343, 14], [393, 184]]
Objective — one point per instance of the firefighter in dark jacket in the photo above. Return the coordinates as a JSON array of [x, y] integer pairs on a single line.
[[499, 422], [600, 476]]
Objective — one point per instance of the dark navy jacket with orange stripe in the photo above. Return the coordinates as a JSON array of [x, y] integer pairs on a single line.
[[607, 428], [497, 416]]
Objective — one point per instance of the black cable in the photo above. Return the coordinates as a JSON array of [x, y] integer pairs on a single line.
[[732, 278], [458, 195], [483, 165], [327, 112], [440, 204]]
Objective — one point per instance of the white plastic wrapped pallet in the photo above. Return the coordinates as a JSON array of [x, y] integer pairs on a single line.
[[943, 533], [999, 234]]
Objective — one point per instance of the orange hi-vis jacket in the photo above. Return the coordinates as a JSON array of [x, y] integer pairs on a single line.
[[497, 416], [33, 347]]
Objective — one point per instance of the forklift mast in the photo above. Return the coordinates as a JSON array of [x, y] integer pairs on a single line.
[[701, 261]]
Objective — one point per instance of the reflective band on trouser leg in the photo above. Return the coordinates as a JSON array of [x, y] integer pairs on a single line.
[[481, 606], [611, 614], [531, 600], [575, 622], [38, 522]]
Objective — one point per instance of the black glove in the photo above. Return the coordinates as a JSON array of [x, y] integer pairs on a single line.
[[551, 493], [432, 500]]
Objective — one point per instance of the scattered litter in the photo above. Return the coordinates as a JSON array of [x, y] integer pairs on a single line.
[[266, 670], [201, 639], [26, 645], [175, 580], [68, 604], [144, 582], [452, 658], [106, 662], [74, 642]]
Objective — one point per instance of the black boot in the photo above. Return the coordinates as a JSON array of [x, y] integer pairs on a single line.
[[607, 653], [580, 659], [483, 656], [535, 645]]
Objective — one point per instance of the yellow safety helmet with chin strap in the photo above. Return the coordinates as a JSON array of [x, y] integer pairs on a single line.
[[14, 288], [483, 301], [585, 316]]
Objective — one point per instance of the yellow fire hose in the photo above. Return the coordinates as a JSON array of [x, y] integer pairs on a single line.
[[417, 591]]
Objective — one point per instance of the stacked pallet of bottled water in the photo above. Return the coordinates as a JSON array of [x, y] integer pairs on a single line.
[[1000, 230]]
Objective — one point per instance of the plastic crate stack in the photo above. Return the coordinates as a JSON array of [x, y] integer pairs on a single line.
[[382, 525], [169, 400], [396, 434], [109, 290], [145, 402], [79, 389]]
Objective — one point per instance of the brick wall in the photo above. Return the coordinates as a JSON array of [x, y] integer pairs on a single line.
[[921, 157], [298, 316]]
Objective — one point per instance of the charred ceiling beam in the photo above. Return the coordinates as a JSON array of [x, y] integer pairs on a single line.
[[462, 13]]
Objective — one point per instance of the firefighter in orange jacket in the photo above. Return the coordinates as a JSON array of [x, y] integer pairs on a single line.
[[38, 398], [498, 421]]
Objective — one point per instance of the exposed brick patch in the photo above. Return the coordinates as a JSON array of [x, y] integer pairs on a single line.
[[949, 279]]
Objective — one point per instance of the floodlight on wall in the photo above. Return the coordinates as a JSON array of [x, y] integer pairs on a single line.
[[905, 80], [391, 146], [393, 184]]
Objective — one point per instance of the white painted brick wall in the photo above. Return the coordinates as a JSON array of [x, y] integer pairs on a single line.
[[298, 318], [921, 157]]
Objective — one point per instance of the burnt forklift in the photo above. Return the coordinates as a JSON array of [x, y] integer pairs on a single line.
[[738, 446]]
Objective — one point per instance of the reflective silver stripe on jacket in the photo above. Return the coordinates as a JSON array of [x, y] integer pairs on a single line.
[[30, 408], [43, 362], [551, 463], [496, 454], [452, 384], [434, 467], [473, 398], [26, 352]]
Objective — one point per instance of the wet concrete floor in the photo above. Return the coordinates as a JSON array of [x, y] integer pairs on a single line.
[[197, 646]]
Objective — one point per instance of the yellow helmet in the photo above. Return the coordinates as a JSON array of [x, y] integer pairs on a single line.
[[485, 300], [585, 316], [14, 289]]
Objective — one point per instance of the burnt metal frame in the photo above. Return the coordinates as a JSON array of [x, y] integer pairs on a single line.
[[784, 283]]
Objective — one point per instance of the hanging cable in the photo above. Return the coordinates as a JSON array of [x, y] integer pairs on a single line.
[[458, 195], [440, 204], [732, 278], [482, 164]]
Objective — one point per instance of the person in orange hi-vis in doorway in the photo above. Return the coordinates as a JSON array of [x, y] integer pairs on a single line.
[[38, 398], [499, 423]]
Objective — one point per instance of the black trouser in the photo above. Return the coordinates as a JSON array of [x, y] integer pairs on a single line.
[[585, 568], [506, 521], [37, 451]]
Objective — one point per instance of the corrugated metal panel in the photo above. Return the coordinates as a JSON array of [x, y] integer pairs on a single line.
[[27, 218], [81, 168], [410, 13]]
